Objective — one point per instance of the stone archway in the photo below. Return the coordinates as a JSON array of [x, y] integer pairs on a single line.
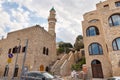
[[41, 67], [96, 69]]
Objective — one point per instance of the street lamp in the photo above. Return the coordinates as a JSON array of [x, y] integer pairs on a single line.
[[16, 58]]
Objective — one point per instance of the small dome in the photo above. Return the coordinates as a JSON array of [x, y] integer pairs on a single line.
[[52, 9]]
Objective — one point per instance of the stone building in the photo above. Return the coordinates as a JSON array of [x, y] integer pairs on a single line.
[[101, 31], [41, 50]]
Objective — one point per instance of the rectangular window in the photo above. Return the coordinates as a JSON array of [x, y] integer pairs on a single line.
[[23, 49], [14, 49], [16, 71], [47, 51], [9, 51], [44, 50], [6, 71], [117, 4]]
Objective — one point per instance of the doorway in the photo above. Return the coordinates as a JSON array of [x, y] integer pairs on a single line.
[[96, 69], [41, 67]]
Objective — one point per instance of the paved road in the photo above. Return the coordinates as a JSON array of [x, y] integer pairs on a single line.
[[8, 79], [69, 78], [65, 78]]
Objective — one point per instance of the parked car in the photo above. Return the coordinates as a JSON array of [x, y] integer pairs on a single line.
[[114, 78], [37, 75]]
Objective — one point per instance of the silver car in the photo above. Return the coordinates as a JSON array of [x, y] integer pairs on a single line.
[[114, 78], [37, 75]]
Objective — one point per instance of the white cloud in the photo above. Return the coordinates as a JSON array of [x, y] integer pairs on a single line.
[[4, 18], [68, 13], [6, 25], [20, 15]]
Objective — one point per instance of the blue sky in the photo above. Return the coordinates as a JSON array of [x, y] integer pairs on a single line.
[[19, 14]]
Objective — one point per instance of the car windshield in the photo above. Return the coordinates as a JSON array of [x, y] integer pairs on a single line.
[[35, 75], [47, 75], [112, 79]]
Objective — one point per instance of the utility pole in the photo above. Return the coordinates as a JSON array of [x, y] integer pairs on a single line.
[[16, 59], [24, 58]]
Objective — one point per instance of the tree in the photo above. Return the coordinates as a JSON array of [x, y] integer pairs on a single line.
[[64, 47], [79, 43], [78, 65]]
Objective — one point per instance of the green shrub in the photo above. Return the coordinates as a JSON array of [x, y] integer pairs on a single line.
[[78, 65]]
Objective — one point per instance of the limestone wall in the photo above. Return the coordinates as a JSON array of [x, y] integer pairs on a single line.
[[110, 58], [38, 38]]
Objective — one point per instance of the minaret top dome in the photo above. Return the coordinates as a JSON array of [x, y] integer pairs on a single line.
[[52, 9]]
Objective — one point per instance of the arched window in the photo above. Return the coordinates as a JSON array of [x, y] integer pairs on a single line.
[[93, 21], [92, 31], [116, 44], [41, 67], [95, 49], [95, 62], [114, 20], [117, 4]]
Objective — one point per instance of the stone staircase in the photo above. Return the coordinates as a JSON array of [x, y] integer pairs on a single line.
[[56, 67], [63, 66], [65, 69]]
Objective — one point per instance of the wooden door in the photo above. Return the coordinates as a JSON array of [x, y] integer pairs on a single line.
[[41, 68], [97, 70]]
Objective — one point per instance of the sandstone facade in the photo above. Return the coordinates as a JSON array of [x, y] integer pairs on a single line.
[[106, 34], [41, 49]]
